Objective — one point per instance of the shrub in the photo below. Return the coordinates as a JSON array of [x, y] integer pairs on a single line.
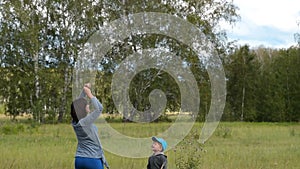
[[224, 132], [190, 151], [12, 128]]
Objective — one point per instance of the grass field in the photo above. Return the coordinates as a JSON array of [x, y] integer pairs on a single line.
[[233, 146]]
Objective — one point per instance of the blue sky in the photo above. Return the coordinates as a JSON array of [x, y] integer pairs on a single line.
[[271, 23]]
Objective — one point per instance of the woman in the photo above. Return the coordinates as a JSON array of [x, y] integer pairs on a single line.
[[89, 153]]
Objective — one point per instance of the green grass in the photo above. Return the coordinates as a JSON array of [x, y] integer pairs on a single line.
[[254, 145], [233, 146]]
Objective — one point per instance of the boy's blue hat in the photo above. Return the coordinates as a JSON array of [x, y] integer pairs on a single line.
[[161, 141]]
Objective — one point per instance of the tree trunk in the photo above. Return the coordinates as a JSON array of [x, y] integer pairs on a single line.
[[244, 90], [64, 102], [243, 103], [35, 103]]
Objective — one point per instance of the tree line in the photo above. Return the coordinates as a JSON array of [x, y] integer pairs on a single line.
[[42, 40]]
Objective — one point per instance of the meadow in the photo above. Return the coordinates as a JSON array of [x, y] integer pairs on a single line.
[[234, 145]]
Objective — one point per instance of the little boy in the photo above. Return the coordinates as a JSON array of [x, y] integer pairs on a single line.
[[158, 160]]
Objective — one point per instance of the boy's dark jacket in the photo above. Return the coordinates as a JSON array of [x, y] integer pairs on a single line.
[[157, 161]]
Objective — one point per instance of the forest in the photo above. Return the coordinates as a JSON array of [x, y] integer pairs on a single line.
[[41, 42]]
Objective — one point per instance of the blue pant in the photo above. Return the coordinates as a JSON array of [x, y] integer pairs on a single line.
[[88, 163]]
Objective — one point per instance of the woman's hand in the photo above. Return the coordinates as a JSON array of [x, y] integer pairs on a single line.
[[87, 90], [88, 85]]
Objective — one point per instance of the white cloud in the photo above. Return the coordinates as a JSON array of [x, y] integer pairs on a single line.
[[277, 13], [266, 22]]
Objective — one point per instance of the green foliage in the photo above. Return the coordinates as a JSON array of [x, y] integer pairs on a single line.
[[268, 78], [12, 128], [242, 74], [37, 67], [223, 132], [292, 132], [163, 118], [112, 119], [42, 40], [188, 152]]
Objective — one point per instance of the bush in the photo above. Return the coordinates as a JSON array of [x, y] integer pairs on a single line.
[[224, 132], [11, 128], [190, 151], [113, 119], [163, 118]]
